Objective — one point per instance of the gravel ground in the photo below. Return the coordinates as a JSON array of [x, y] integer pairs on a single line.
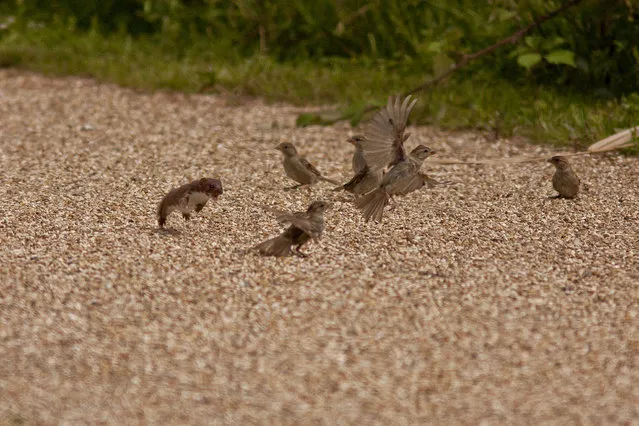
[[481, 302]]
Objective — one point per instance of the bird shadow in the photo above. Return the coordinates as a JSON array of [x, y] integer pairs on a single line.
[[345, 199], [165, 232]]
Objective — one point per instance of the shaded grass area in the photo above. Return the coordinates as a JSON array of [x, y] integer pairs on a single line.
[[472, 99]]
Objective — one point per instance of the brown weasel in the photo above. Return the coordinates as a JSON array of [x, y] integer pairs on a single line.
[[188, 198]]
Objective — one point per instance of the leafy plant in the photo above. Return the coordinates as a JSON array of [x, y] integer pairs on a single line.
[[537, 48], [571, 81]]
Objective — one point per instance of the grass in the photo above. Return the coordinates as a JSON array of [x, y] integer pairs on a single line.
[[472, 99]]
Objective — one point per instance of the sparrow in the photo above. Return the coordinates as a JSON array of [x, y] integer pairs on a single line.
[[188, 198], [564, 181], [303, 227], [383, 147], [403, 178], [419, 181], [364, 179], [298, 168], [359, 162]]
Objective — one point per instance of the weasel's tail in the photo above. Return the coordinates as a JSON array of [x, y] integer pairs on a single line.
[[278, 246], [372, 204], [162, 213]]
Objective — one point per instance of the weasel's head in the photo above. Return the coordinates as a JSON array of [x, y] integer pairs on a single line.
[[210, 186], [559, 162]]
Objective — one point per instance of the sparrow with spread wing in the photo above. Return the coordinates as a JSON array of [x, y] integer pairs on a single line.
[[403, 178], [303, 227], [384, 147]]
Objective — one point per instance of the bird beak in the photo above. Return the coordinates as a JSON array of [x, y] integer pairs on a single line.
[[351, 141]]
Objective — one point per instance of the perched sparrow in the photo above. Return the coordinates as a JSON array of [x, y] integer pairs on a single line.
[[365, 179], [189, 197], [565, 181], [298, 168], [359, 162], [401, 179], [303, 227]]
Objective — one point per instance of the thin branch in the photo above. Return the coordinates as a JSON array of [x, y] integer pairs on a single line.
[[466, 59]]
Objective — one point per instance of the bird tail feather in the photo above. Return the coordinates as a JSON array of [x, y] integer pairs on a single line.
[[279, 246], [372, 204]]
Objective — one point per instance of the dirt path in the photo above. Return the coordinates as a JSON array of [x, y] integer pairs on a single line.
[[479, 302]]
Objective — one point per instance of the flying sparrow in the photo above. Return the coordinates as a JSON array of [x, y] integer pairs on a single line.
[[303, 227], [564, 181], [383, 147], [403, 178], [188, 198], [298, 168]]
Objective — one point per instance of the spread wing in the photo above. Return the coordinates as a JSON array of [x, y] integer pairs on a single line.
[[309, 166], [413, 183], [303, 221], [385, 135]]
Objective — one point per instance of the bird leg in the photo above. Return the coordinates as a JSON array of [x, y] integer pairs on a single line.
[[391, 203], [186, 216]]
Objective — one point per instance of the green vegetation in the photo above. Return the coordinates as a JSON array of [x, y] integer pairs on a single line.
[[571, 82]]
